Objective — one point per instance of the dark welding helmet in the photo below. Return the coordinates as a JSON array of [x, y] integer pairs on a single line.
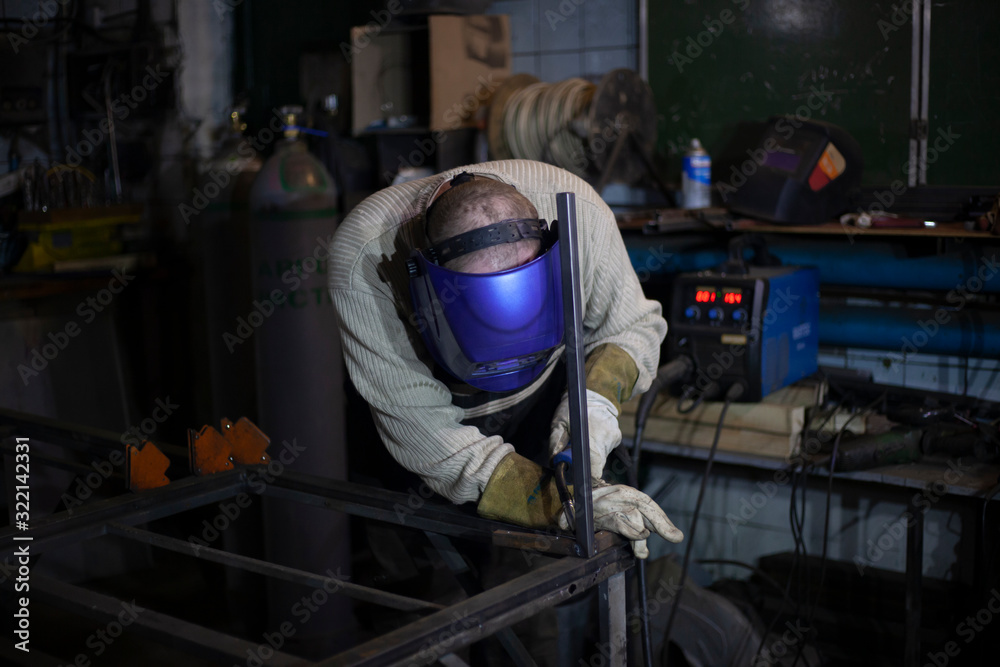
[[494, 331]]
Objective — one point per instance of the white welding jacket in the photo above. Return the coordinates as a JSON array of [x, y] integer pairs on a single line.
[[385, 355]]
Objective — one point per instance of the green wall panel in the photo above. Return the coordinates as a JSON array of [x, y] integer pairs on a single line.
[[716, 63], [965, 93]]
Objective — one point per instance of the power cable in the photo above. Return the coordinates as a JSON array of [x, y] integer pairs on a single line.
[[733, 394]]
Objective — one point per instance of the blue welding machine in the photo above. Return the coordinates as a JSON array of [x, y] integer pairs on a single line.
[[758, 327]]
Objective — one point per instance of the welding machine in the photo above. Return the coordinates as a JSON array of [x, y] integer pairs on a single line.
[[757, 326]]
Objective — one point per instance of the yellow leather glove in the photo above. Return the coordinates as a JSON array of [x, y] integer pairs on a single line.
[[520, 492]]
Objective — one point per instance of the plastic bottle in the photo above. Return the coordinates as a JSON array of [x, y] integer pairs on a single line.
[[697, 179]]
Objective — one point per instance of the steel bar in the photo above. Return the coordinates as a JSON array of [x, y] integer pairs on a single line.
[[460, 568], [75, 436], [552, 544], [167, 630], [75, 525], [423, 641], [612, 619], [357, 591], [410, 510], [914, 586], [569, 256]]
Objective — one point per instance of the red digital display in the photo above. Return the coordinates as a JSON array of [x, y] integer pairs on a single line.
[[704, 296], [732, 297]]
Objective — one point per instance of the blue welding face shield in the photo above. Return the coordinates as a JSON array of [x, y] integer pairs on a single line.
[[494, 331]]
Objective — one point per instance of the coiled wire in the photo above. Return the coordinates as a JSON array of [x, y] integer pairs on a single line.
[[547, 122]]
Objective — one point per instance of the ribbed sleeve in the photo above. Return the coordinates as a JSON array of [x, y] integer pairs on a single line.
[[384, 353]]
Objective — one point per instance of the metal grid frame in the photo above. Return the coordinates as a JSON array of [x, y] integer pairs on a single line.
[[589, 560], [418, 642]]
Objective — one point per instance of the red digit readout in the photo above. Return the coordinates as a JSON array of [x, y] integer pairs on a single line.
[[732, 297], [704, 296]]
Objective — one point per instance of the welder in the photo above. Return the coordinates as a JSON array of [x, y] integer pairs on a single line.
[[448, 296]]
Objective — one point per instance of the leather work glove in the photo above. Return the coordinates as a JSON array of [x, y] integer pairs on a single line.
[[611, 375], [520, 492], [630, 513], [602, 424]]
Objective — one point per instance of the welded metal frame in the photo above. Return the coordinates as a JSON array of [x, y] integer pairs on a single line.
[[423, 640], [595, 560]]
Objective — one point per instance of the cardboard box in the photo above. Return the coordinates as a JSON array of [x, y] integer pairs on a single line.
[[440, 74]]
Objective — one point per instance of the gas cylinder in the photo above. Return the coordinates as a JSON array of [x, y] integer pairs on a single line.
[[221, 231], [293, 208]]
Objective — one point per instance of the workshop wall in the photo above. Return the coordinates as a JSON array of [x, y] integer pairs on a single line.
[[714, 64], [560, 39]]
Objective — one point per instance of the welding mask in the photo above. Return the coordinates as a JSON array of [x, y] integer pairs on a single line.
[[494, 331]]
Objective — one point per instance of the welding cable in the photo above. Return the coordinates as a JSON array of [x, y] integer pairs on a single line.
[[796, 470], [709, 392], [733, 394], [666, 375], [826, 520], [792, 469], [798, 534]]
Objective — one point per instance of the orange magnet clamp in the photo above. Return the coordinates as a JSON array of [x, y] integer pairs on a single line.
[[248, 443], [145, 468], [208, 451]]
